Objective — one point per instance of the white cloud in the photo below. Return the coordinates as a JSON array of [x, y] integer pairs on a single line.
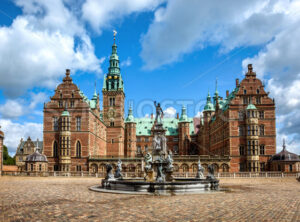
[[180, 28], [11, 109], [40, 44], [101, 13], [15, 131], [199, 114], [279, 63], [170, 112], [126, 62]]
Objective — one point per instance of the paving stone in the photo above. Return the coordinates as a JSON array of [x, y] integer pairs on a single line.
[[68, 199]]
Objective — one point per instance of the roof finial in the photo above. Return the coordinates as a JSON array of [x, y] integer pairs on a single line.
[[216, 92], [115, 33], [283, 145]]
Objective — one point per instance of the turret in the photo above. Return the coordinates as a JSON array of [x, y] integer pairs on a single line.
[[65, 141], [184, 132], [130, 134], [252, 138]]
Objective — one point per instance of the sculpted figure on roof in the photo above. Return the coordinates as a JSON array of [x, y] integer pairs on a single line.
[[159, 112]]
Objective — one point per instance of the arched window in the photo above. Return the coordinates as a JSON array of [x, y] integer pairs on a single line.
[[78, 149], [55, 149]]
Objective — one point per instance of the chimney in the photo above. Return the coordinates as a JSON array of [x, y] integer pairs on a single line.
[[67, 72], [177, 115], [151, 115], [227, 93], [237, 82]]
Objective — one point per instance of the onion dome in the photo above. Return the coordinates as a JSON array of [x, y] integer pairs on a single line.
[[36, 157], [285, 155]]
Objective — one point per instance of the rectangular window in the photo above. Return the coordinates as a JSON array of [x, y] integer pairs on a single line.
[[242, 167], [262, 149], [242, 150], [138, 139], [55, 123], [60, 104], [146, 148], [55, 167], [31, 167], [246, 100], [78, 123], [241, 131], [112, 101], [112, 123], [146, 139], [40, 167], [262, 166], [261, 114], [139, 150], [291, 167], [249, 148], [258, 100], [261, 130], [78, 168], [241, 115], [72, 104]]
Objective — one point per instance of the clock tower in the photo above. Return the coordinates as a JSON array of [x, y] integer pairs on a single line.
[[113, 106]]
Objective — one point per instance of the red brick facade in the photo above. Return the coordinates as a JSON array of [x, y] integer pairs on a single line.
[[237, 133]]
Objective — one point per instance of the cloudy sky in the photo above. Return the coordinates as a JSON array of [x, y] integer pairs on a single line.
[[170, 50]]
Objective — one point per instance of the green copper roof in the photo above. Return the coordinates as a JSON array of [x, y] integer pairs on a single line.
[[113, 80], [209, 106], [251, 106], [92, 103], [130, 118], [183, 117], [144, 126], [65, 113]]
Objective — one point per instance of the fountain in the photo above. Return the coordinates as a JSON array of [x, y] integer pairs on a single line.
[[158, 171]]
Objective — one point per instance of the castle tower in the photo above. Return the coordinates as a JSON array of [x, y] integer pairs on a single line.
[[130, 134], [65, 141], [113, 106], [252, 138], [184, 132], [208, 112]]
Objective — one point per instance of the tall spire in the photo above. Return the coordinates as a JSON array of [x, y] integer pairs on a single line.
[[114, 68], [283, 144], [216, 95], [183, 117], [208, 106], [130, 117], [114, 81]]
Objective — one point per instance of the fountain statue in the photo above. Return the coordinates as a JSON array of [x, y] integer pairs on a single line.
[[211, 172], [158, 170], [148, 167], [118, 173], [200, 171]]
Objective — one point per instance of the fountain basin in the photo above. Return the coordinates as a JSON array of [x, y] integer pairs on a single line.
[[178, 186]]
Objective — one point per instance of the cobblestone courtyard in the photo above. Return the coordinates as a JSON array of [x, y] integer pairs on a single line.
[[68, 199]]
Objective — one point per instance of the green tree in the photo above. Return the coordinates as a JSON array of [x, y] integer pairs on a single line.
[[7, 159]]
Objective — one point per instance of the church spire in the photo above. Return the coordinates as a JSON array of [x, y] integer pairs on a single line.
[[113, 80], [114, 68], [216, 95]]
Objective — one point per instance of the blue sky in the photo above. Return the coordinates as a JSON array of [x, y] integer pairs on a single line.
[[170, 51]]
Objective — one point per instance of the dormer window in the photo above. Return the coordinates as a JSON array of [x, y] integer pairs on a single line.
[[60, 96], [60, 104], [245, 91], [257, 91]]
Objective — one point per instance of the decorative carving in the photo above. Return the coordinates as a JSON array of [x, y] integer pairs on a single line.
[[118, 173], [211, 172], [109, 174], [200, 172]]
